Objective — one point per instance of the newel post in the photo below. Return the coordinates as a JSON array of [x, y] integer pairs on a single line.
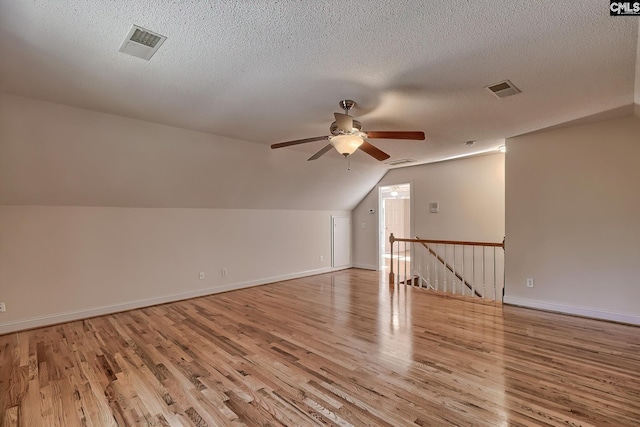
[[391, 240]]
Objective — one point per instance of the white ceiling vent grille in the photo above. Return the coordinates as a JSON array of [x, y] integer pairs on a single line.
[[503, 89], [399, 162], [141, 43]]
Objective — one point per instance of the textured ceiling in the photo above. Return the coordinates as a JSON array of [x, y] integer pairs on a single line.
[[268, 71]]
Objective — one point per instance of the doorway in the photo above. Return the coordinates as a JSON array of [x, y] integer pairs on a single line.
[[395, 217]]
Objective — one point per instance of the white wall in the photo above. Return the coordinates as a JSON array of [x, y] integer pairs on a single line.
[[62, 263], [573, 220], [471, 196]]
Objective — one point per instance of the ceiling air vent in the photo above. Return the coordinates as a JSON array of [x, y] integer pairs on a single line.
[[141, 43], [399, 162], [503, 89]]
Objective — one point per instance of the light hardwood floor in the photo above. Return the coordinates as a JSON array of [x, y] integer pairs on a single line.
[[339, 349]]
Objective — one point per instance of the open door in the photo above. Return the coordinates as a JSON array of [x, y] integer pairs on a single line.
[[395, 217]]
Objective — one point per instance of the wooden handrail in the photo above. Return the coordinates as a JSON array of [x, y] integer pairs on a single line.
[[392, 239]]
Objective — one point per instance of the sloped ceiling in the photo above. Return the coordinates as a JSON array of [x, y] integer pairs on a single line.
[[52, 154], [268, 71]]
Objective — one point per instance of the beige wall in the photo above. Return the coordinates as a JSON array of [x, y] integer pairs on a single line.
[[573, 220], [471, 196], [61, 263]]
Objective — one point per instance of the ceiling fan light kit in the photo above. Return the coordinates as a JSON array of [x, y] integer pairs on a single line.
[[346, 144], [347, 136]]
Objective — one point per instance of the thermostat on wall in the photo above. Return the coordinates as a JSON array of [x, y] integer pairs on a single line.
[[434, 207]]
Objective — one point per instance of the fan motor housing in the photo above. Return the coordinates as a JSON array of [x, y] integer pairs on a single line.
[[335, 131]]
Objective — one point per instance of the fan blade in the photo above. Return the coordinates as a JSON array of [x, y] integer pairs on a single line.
[[374, 152], [320, 153], [419, 136], [344, 122], [298, 141]]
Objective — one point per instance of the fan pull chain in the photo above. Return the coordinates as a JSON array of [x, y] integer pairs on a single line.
[[348, 163]]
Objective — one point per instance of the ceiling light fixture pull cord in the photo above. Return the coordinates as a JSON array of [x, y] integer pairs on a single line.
[[348, 163]]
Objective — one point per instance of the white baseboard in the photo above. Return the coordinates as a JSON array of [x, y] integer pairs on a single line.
[[52, 319], [366, 267], [576, 310]]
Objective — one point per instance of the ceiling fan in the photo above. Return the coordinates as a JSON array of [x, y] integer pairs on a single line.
[[347, 136]]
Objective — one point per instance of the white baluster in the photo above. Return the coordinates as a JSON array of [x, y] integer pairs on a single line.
[[454, 269], [464, 286], [435, 260], [494, 273], [398, 264], [405, 264], [444, 268], [483, 274]]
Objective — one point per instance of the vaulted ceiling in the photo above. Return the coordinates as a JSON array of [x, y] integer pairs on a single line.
[[267, 71]]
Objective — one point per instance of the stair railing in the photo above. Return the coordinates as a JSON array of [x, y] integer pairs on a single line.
[[455, 267]]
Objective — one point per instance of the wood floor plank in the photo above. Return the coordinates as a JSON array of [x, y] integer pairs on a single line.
[[11, 417], [341, 349]]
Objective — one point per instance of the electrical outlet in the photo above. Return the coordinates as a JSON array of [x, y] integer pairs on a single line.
[[3, 307], [529, 283], [202, 275], [224, 272], [321, 258]]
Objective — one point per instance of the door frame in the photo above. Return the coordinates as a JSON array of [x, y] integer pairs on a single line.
[[333, 229], [380, 222]]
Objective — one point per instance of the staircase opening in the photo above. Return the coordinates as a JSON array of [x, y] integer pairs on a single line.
[[464, 268]]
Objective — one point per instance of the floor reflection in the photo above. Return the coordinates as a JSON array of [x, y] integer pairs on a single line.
[[465, 362], [395, 326]]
